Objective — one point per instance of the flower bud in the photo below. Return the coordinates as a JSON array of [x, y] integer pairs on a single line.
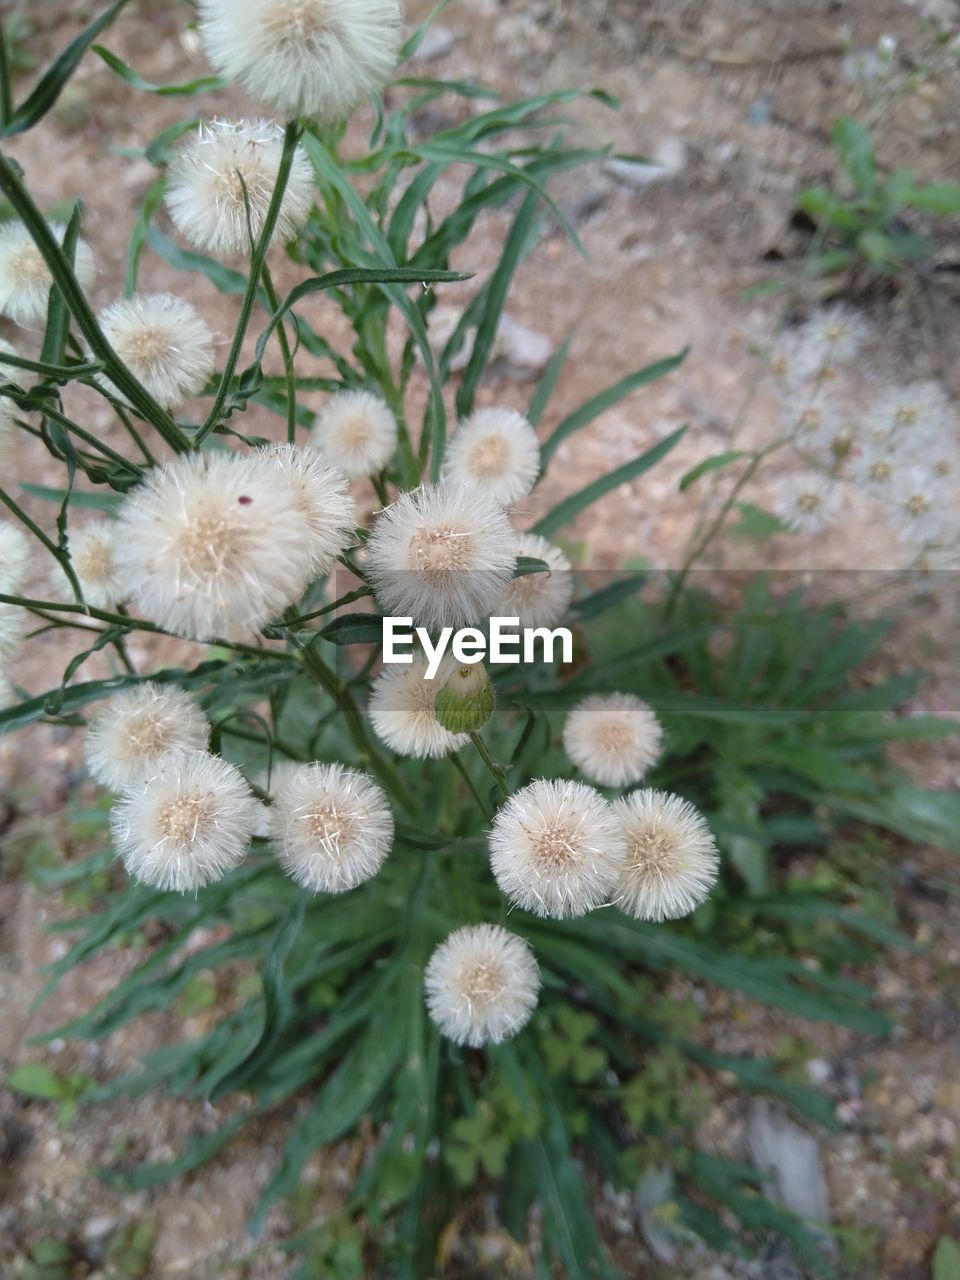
[[465, 703]]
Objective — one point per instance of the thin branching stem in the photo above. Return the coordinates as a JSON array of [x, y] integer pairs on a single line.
[[12, 186], [290, 373], [291, 140]]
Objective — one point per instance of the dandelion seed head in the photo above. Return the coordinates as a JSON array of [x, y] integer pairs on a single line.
[[442, 554], [614, 739], [835, 334], [357, 432], [538, 599], [214, 546], [332, 826], [495, 452], [163, 342], [556, 848], [482, 985], [319, 58], [92, 550], [671, 863], [25, 278], [808, 501], [13, 623], [205, 194], [402, 711], [918, 505], [912, 417], [329, 512], [14, 558], [137, 728], [185, 825]]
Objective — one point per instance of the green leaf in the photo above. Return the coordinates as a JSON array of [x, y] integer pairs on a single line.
[[354, 275], [855, 151], [756, 524], [355, 628], [54, 346], [226, 279], [197, 1152], [277, 1004], [109, 502], [547, 384], [568, 510], [608, 597], [55, 78], [203, 84], [936, 197], [826, 206], [519, 241], [37, 1081], [138, 237], [353, 1088], [946, 1260], [606, 399], [716, 463]]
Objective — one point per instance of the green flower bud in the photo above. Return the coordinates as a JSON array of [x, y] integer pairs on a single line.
[[465, 703]]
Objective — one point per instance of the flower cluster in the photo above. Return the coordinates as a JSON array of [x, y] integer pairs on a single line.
[[221, 545], [898, 451]]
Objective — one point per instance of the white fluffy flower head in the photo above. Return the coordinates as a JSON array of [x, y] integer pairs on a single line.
[[214, 546], [13, 623], [163, 342], [919, 505], [357, 432], [556, 848], [672, 861], [538, 599], [482, 985], [205, 194], [495, 452], [913, 417], [93, 556], [320, 58], [332, 826], [808, 501], [441, 554], [25, 278], [402, 711], [137, 728], [835, 334], [613, 738], [329, 512], [7, 695], [14, 557], [187, 825]]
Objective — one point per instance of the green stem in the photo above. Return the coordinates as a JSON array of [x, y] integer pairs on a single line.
[[496, 772], [60, 556], [701, 545], [12, 186], [125, 620], [258, 260], [356, 726], [288, 368], [135, 435], [380, 489], [68, 425], [464, 773], [6, 94]]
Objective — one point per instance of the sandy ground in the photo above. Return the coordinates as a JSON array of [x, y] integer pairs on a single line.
[[740, 98]]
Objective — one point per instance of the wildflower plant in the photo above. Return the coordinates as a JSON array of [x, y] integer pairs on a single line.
[[441, 904]]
